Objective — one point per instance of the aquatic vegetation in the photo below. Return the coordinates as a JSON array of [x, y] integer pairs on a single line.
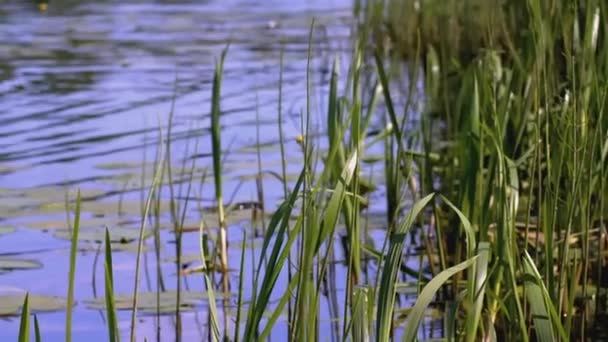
[[519, 97], [10, 304]]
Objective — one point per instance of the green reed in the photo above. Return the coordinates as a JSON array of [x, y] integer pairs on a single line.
[[518, 89]]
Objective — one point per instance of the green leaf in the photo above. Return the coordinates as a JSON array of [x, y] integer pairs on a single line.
[[10, 304], [112, 320], [24, 327], [72, 272], [386, 297], [427, 295]]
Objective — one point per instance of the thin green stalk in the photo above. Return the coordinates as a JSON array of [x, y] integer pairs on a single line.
[[112, 320], [72, 272], [153, 188]]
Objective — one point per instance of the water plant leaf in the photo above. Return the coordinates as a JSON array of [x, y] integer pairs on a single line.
[[109, 290], [10, 304], [37, 329], [86, 223], [544, 313], [121, 165], [10, 264], [147, 301], [427, 295], [58, 194], [24, 326], [6, 230], [119, 235], [386, 298], [72, 272]]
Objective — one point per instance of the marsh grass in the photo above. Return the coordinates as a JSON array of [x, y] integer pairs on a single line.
[[517, 91]]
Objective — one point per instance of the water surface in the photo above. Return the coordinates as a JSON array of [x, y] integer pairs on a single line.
[[84, 89]]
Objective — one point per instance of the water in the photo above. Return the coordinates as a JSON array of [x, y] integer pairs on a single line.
[[84, 88]]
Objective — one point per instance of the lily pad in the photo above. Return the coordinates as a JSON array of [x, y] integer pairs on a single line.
[[109, 208], [147, 301], [211, 219], [4, 168], [122, 165], [117, 235], [9, 264], [58, 194], [10, 304], [186, 259], [119, 247], [6, 230], [85, 223]]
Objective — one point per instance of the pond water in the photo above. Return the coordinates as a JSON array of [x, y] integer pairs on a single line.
[[84, 87]]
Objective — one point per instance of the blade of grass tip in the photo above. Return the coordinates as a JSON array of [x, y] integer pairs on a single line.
[[217, 153], [72, 273], [37, 329], [386, 297], [466, 224], [427, 295], [24, 326], [140, 244], [217, 173], [109, 291]]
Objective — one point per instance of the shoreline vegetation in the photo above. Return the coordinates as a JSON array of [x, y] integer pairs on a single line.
[[494, 145]]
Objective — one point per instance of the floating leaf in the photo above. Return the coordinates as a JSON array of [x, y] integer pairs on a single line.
[[58, 194], [118, 235], [7, 264], [147, 301], [4, 168], [211, 219], [118, 247], [95, 222], [186, 259], [10, 304], [122, 165], [6, 230]]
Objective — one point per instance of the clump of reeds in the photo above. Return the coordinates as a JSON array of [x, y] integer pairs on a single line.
[[515, 105]]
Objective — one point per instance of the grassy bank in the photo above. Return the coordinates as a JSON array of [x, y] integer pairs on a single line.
[[515, 95], [493, 160]]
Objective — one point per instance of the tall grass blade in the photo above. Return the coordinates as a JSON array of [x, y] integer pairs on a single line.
[[156, 182], [112, 321], [72, 272], [217, 155], [427, 295], [24, 326], [386, 290], [544, 313], [37, 329], [277, 229]]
